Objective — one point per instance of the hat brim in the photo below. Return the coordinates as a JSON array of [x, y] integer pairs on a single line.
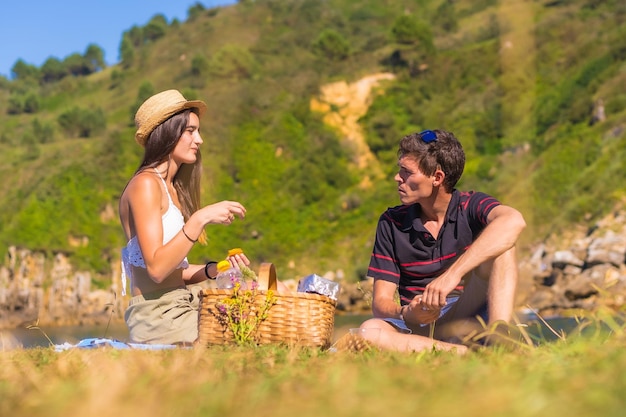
[[142, 134]]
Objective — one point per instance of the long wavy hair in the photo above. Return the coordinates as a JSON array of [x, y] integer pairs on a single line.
[[159, 146]]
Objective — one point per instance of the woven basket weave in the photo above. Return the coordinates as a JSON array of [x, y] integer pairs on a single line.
[[300, 319]]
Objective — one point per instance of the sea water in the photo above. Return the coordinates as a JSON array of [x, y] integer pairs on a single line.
[[543, 330]]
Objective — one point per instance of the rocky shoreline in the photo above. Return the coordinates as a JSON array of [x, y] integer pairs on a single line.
[[580, 271]]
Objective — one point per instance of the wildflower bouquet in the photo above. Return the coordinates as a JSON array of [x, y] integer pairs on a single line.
[[247, 273], [242, 315]]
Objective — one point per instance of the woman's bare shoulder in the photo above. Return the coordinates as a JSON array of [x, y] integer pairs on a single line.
[[144, 185]]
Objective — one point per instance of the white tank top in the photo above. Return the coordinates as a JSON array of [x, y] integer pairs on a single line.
[[173, 222]]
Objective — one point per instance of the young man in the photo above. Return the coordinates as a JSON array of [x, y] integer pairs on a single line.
[[450, 255]]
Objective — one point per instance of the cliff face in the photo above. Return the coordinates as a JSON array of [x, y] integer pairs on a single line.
[[342, 105], [34, 289]]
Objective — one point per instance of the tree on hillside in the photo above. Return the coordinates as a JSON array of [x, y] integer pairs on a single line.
[[195, 10], [94, 55], [76, 65], [127, 51], [23, 71], [91, 62], [155, 29], [134, 36], [53, 70], [137, 36]]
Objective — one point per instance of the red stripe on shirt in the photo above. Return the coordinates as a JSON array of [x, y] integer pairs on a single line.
[[442, 258], [387, 258], [383, 271]]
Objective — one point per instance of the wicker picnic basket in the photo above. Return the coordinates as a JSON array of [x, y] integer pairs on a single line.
[[298, 318]]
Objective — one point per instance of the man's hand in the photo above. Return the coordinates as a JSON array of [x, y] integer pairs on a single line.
[[417, 312], [434, 296]]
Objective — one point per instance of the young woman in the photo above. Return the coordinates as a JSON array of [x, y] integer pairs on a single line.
[[161, 216]]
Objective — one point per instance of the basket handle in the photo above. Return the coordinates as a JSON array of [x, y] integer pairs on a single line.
[[267, 276]]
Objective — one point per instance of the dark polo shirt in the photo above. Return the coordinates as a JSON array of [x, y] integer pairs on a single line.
[[406, 254]]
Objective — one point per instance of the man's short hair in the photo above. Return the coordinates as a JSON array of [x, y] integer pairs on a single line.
[[445, 153]]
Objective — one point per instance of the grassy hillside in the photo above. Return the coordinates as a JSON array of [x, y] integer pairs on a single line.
[[516, 81]]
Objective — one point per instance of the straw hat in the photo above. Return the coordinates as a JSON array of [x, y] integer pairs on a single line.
[[159, 108]]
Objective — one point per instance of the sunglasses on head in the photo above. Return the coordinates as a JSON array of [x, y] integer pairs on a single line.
[[428, 136]]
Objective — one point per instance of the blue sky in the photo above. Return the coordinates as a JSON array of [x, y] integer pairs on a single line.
[[38, 29]]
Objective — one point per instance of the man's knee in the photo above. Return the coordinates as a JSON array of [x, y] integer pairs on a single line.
[[374, 323], [502, 264]]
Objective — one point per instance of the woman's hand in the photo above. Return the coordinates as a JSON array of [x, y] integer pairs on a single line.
[[223, 212], [237, 259]]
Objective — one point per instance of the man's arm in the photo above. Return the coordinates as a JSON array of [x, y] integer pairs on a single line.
[[504, 225], [384, 303]]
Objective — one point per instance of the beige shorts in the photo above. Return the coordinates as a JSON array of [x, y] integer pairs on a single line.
[[169, 317]]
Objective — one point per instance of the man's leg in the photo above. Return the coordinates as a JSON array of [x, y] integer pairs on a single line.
[[489, 293], [392, 339], [503, 276]]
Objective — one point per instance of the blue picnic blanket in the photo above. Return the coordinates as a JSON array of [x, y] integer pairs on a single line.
[[96, 342]]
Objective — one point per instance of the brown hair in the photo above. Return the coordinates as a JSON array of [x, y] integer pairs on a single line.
[[160, 144], [445, 153]]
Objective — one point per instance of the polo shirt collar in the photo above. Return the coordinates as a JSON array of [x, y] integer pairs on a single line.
[[413, 220], [453, 208]]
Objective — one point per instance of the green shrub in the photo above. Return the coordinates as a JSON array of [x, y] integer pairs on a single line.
[[43, 131], [82, 123], [409, 30], [331, 45], [232, 61]]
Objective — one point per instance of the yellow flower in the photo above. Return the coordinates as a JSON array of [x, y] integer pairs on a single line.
[[243, 315]]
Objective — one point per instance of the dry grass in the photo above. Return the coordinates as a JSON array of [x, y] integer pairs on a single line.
[[580, 374]]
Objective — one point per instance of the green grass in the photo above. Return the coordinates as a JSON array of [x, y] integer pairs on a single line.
[[580, 373]]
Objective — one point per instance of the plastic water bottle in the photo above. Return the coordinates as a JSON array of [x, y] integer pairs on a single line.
[[227, 276]]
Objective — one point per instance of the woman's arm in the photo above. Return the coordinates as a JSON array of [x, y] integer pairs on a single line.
[[198, 273], [144, 195]]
